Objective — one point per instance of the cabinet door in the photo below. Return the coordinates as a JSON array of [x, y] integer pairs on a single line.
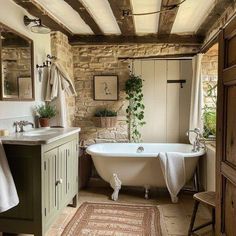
[[62, 175], [50, 178], [73, 168]]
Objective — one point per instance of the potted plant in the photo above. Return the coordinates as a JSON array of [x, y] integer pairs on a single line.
[[105, 118], [45, 112]]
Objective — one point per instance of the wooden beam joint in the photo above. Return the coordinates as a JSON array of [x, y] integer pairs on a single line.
[[166, 19], [126, 23], [154, 39]]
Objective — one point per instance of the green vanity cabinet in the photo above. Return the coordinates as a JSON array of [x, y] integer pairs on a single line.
[[50, 187], [46, 178]]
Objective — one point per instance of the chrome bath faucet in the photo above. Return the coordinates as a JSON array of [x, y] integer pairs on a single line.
[[197, 145]]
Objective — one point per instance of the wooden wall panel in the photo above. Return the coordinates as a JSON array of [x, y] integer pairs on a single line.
[[184, 99], [148, 74], [160, 99], [164, 101], [231, 128], [230, 209], [136, 67], [172, 103], [231, 57], [154, 75]]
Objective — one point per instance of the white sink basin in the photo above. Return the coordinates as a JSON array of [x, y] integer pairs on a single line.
[[39, 132]]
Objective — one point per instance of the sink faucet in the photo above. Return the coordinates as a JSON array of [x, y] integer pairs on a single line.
[[21, 125], [197, 145]]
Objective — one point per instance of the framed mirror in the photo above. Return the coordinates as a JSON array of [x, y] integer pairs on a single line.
[[17, 66]]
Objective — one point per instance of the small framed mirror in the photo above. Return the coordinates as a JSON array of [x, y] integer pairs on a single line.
[[17, 61]]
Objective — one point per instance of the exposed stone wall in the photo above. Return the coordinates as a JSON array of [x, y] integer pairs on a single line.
[[61, 48], [210, 72], [104, 60]]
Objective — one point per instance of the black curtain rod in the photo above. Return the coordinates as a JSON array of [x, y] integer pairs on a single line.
[[181, 82]]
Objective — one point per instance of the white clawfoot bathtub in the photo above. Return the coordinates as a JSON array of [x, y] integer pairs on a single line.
[[137, 164]]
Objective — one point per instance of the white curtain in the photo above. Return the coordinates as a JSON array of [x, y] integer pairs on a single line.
[[59, 86], [196, 106]]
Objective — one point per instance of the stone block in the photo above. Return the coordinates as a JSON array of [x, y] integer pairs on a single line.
[[122, 136], [106, 135], [104, 141]]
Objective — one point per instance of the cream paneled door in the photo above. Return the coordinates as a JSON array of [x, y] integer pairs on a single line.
[[166, 120]]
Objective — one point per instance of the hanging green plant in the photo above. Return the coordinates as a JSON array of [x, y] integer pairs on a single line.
[[209, 112], [135, 109]]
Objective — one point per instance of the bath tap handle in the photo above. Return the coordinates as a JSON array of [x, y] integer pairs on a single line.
[[140, 149]]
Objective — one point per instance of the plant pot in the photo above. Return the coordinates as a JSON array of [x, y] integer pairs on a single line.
[[105, 122], [44, 122]]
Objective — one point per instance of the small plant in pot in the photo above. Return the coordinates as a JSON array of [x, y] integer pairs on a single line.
[[105, 118], [45, 112]]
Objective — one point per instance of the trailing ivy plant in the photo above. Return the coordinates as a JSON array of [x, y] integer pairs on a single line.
[[209, 112], [135, 109]]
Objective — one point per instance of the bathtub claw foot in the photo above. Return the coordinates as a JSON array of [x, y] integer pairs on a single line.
[[174, 199], [147, 190], [116, 185]]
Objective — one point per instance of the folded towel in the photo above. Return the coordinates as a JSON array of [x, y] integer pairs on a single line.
[[173, 168], [8, 194]]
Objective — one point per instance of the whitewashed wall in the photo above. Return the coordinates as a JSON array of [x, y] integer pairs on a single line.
[[167, 105], [208, 169], [12, 16]]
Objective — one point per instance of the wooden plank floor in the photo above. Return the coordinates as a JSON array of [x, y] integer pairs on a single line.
[[175, 217]]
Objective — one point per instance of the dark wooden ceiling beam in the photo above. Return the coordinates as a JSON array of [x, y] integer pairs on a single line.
[[216, 12], [85, 15], [167, 19], [47, 19], [172, 39], [126, 23]]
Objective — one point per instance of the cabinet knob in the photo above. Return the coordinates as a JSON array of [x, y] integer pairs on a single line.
[[60, 181]]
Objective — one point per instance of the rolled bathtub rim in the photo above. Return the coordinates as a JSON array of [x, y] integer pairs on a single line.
[[93, 152]]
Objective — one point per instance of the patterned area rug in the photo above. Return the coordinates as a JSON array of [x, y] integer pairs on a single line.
[[105, 219]]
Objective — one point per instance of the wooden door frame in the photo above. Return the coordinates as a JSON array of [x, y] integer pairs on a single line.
[[220, 135]]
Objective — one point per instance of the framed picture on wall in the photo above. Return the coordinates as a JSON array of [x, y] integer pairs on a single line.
[[25, 88], [106, 87]]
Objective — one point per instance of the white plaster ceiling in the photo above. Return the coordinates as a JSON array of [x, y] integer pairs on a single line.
[[149, 23], [103, 15], [190, 15], [66, 15]]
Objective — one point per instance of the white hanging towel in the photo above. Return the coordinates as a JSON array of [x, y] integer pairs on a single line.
[[8, 193], [173, 168], [59, 86]]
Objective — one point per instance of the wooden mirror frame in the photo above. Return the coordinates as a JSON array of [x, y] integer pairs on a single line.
[[31, 44]]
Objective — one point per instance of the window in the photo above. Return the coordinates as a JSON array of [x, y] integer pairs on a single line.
[[209, 80]]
